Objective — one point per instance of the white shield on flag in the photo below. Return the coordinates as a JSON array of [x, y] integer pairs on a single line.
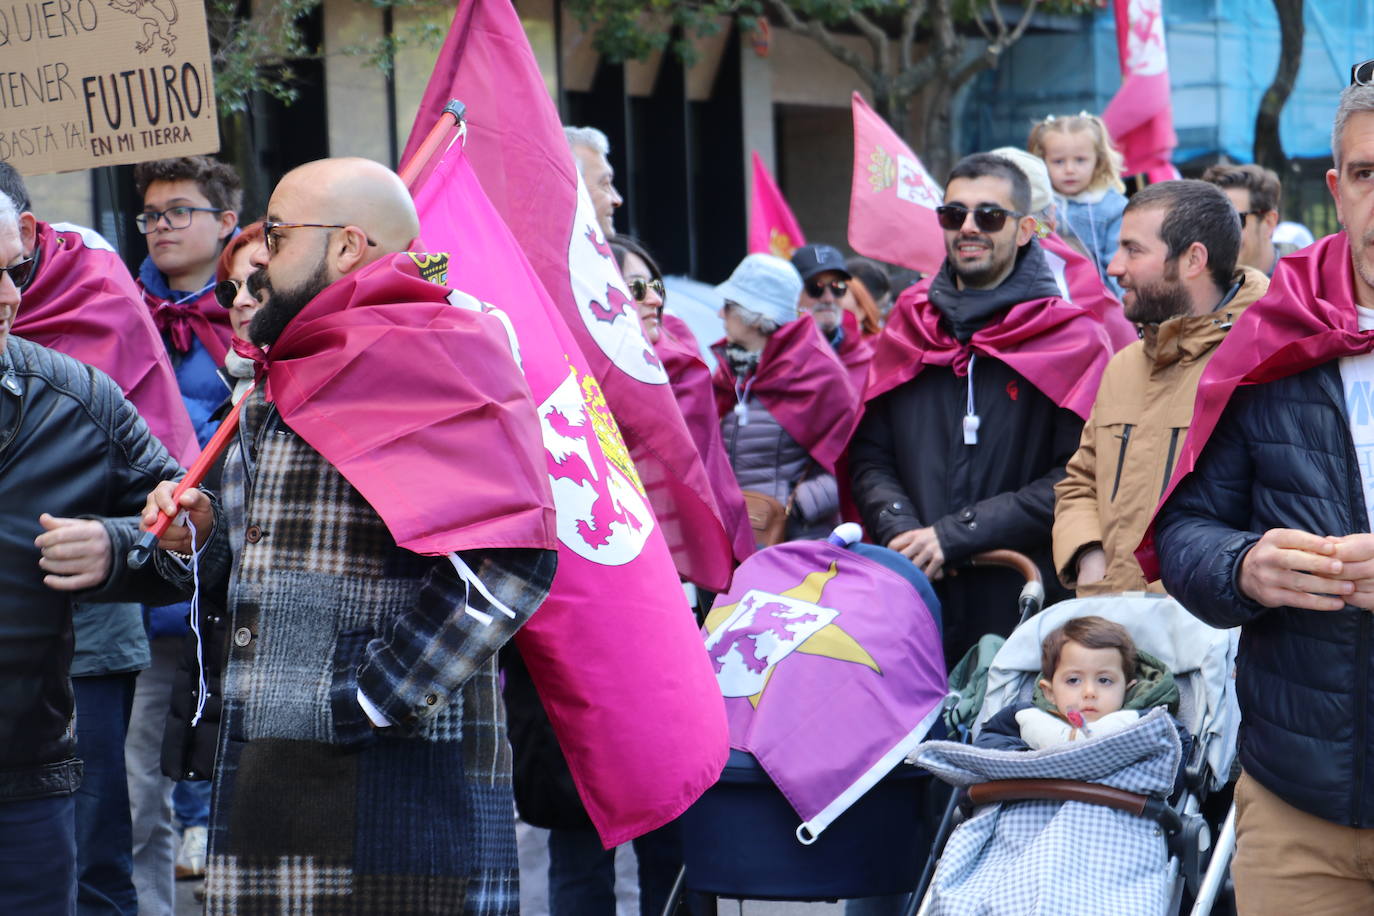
[[603, 515], [764, 629], [914, 183], [604, 303], [1145, 54]]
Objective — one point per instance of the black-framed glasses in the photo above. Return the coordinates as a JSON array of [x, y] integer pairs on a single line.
[[177, 217], [987, 219], [271, 232], [21, 273], [837, 289], [639, 287], [1246, 214], [1362, 74]]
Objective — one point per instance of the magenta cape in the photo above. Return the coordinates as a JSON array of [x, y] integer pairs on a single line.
[[83, 303], [1306, 318], [804, 386], [1060, 348], [1087, 290], [410, 399], [516, 146], [856, 352], [202, 318], [691, 380]]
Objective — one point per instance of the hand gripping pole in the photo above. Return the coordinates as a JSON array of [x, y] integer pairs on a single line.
[[142, 552]]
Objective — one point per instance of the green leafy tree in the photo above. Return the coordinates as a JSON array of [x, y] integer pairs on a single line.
[[919, 54]]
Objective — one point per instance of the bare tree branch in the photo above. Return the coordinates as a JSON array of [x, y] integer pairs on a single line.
[[983, 27], [996, 9], [826, 39], [916, 9], [1026, 13], [876, 37]]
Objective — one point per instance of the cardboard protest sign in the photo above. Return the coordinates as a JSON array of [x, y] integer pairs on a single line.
[[85, 83]]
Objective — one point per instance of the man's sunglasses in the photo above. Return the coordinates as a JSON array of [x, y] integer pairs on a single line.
[[1247, 214], [639, 287], [1362, 74], [20, 273], [837, 288], [987, 219], [271, 232]]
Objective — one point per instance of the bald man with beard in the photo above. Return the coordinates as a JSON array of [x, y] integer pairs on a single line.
[[363, 764]]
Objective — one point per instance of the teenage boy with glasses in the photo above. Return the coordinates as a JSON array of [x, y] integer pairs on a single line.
[[976, 399], [190, 210]]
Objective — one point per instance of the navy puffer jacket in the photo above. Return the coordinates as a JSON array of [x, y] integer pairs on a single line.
[[1282, 457]]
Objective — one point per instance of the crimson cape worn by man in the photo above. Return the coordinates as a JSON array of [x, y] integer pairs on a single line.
[[371, 444], [1279, 443], [1026, 364], [82, 302], [1274, 340]]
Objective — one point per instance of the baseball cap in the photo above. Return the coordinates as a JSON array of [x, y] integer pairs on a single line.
[[810, 260]]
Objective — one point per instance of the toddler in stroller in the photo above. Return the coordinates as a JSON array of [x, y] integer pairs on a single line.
[[1093, 683], [1084, 825]]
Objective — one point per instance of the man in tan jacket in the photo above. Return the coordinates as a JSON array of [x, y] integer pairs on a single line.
[[1177, 265]]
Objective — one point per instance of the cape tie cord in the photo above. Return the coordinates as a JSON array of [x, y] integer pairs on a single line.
[[195, 627], [142, 551]]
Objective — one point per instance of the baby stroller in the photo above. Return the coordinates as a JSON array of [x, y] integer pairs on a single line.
[[859, 835], [1022, 805]]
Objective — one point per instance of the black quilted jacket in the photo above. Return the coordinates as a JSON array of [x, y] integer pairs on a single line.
[[1282, 457], [70, 445]]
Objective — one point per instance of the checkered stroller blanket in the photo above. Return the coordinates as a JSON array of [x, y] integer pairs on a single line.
[[1059, 858]]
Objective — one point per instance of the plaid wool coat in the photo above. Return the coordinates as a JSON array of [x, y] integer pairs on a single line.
[[314, 811]]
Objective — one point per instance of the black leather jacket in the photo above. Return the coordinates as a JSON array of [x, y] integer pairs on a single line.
[[1282, 457], [70, 445]]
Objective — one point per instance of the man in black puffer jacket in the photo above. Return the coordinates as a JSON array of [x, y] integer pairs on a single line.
[[70, 446], [1269, 530]]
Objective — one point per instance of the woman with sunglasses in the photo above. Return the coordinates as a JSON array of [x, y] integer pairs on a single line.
[[785, 402], [240, 293], [677, 348], [188, 750]]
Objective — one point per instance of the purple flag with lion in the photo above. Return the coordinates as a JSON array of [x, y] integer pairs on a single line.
[[832, 672]]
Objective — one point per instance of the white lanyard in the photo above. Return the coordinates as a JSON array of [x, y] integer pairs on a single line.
[[742, 400], [971, 420]]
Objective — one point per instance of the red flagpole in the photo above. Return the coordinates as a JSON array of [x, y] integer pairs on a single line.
[[449, 118]]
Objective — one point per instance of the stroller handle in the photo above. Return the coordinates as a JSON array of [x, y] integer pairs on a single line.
[[1032, 593], [1070, 790], [1010, 559]]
